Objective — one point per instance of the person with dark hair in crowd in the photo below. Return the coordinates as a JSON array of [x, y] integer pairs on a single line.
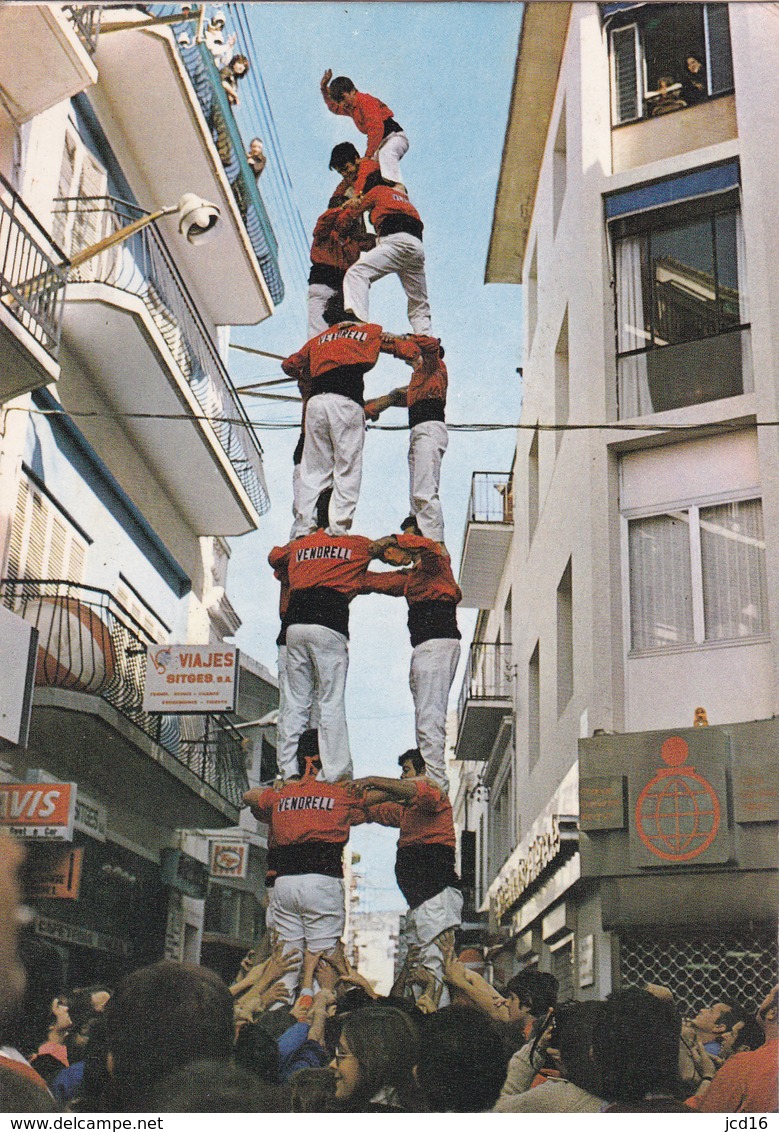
[[747, 1082], [568, 1042], [160, 1019], [86, 1005], [635, 1046], [374, 1062], [92, 1092], [461, 1061], [214, 1086], [257, 1052], [312, 1090], [530, 994]]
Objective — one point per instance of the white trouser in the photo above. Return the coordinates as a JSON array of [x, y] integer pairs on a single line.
[[317, 662], [287, 763], [426, 447], [319, 294], [402, 254], [308, 914], [290, 766], [433, 665], [332, 457], [425, 924], [297, 521], [270, 909], [388, 155]]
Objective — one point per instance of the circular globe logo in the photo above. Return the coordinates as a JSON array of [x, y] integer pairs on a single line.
[[678, 812]]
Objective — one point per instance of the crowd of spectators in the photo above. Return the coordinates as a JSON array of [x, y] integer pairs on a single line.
[[173, 1037]]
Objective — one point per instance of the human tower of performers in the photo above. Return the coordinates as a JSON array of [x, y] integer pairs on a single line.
[[315, 800]]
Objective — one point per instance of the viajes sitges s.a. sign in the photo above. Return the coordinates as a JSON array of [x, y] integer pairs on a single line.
[[189, 679]]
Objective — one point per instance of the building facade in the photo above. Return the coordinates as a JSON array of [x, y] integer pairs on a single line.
[[126, 460], [626, 571]]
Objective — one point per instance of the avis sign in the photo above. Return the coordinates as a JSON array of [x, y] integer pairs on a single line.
[[191, 679], [38, 810]]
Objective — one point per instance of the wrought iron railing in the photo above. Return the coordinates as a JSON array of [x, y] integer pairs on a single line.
[[143, 266], [488, 674], [89, 643], [33, 271], [492, 498], [221, 121], [86, 22]]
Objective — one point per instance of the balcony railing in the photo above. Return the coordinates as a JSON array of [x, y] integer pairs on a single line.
[[492, 498], [142, 266], [85, 19], [33, 271], [219, 115], [488, 675], [89, 643]]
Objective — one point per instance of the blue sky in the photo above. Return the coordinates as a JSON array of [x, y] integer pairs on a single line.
[[445, 69]]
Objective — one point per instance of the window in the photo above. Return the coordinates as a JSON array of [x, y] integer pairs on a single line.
[[532, 489], [561, 381], [666, 57], [565, 639], [44, 542], [81, 175], [681, 304], [532, 299], [501, 822], [559, 169], [698, 575], [534, 708]]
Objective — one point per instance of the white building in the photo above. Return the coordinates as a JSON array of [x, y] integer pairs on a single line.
[[627, 573], [126, 458]]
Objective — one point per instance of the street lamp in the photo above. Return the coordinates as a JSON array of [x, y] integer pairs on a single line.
[[265, 721], [197, 219]]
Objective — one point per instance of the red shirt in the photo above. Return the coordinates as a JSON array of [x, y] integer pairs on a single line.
[[338, 562], [426, 820], [432, 578], [429, 380], [334, 247], [368, 115], [308, 810], [345, 344], [385, 200], [747, 1082]]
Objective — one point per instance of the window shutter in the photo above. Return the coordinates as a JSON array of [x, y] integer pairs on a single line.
[[626, 93], [65, 188], [17, 540], [718, 48], [43, 543]]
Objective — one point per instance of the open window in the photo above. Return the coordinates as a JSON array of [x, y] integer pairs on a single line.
[[666, 57], [680, 288]]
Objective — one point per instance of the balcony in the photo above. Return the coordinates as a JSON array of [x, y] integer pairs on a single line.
[[32, 277], [486, 698], [132, 324], [487, 540], [151, 114], [43, 59], [88, 718]]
